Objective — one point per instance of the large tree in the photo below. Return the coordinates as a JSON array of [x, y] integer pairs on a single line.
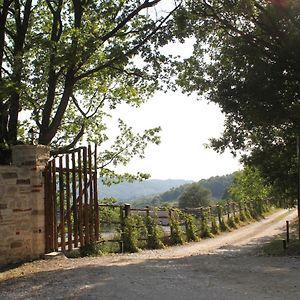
[[246, 59], [65, 62], [194, 195]]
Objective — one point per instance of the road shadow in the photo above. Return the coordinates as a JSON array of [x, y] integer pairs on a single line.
[[216, 276]]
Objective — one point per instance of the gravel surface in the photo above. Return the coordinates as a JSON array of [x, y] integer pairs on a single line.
[[228, 266]]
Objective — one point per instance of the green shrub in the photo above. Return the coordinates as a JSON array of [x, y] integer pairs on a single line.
[[237, 219], [75, 253], [191, 228], [231, 222], [177, 234], [214, 226], [155, 233], [92, 249], [223, 226], [205, 230], [134, 227], [247, 211]]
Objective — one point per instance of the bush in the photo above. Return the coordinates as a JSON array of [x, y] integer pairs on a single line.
[[92, 249], [176, 232], [205, 230], [223, 226], [155, 233], [191, 228], [134, 227], [231, 223], [214, 226]]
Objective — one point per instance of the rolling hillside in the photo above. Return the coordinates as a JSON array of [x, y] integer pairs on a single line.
[[128, 192]]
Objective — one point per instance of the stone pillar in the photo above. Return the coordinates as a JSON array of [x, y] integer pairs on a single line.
[[22, 212]]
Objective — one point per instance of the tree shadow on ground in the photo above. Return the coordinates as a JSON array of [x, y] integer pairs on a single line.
[[224, 275]]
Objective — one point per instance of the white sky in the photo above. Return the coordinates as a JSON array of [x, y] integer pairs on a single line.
[[186, 124]]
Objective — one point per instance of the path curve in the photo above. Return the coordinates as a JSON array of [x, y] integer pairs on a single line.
[[220, 268]]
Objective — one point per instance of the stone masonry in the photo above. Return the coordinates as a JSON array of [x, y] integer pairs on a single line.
[[22, 214]]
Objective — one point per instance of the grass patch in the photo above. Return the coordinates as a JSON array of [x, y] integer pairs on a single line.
[[275, 247]]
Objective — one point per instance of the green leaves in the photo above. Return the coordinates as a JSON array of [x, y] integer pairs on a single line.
[[245, 61], [194, 195], [98, 52], [250, 185]]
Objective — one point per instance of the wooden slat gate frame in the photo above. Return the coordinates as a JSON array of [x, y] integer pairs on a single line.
[[71, 200]]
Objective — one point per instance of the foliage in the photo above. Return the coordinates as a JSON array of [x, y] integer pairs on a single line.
[[217, 184], [214, 226], [177, 233], [205, 230], [134, 228], [231, 222], [155, 233], [108, 214], [222, 224], [91, 249], [245, 60], [247, 210], [194, 195], [249, 185], [190, 227], [66, 64], [236, 218]]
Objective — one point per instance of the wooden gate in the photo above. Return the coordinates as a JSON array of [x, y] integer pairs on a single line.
[[71, 200]]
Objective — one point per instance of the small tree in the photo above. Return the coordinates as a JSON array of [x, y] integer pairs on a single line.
[[249, 185], [67, 63], [155, 232], [194, 195]]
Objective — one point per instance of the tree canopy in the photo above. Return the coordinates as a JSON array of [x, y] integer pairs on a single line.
[[246, 59], [249, 185], [68, 63], [194, 195]]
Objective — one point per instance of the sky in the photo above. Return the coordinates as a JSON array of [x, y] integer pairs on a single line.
[[187, 124]]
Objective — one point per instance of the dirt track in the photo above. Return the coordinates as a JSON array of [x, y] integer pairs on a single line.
[[226, 267]]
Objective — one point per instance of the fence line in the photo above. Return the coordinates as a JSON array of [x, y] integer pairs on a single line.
[[207, 219]]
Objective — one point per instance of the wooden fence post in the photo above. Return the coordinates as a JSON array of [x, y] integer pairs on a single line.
[[122, 225], [127, 210], [287, 232], [170, 218], [219, 214], [228, 210], [233, 209]]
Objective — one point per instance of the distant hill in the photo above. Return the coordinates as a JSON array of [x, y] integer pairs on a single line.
[[128, 192], [218, 185]]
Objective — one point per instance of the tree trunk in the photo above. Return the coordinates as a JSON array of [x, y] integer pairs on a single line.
[[298, 198]]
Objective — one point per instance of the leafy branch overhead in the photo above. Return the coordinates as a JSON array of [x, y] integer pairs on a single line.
[[246, 60], [66, 62]]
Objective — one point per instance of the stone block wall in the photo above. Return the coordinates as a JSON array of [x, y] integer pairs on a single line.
[[22, 213]]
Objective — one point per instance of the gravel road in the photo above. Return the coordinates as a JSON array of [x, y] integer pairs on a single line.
[[226, 267]]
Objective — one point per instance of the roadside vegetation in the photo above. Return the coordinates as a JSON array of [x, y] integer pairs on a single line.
[[275, 247]]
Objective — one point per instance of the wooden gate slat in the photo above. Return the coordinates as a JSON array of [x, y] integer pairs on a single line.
[[74, 206], [62, 205], [68, 195], [80, 215], [86, 200], [96, 207], [91, 196], [54, 201]]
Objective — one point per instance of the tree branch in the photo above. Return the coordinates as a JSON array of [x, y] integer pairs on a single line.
[[129, 52]]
